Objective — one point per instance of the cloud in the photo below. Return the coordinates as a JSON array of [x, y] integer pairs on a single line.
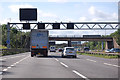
[[82, 18], [15, 8], [58, 1], [42, 15], [98, 15], [1, 11]]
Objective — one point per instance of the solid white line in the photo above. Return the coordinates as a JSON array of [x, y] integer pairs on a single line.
[[80, 75], [63, 64], [111, 65], [56, 59], [5, 69], [91, 60]]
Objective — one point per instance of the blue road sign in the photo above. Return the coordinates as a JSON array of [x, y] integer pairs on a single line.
[[8, 41]]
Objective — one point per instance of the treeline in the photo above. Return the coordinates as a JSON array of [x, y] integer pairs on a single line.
[[97, 45], [18, 39]]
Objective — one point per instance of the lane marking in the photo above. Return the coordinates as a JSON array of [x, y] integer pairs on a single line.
[[56, 59], [9, 67], [80, 75], [1, 73], [91, 60], [63, 64], [5, 69], [12, 65], [111, 65], [17, 62]]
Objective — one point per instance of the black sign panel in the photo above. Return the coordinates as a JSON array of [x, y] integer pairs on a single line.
[[70, 26], [56, 26], [28, 14], [91, 36], [41, 26], [51, 43], [26, 26]]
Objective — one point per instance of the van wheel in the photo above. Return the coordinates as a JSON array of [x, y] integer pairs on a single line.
[[32, 55], [62, 56], [74, 56]]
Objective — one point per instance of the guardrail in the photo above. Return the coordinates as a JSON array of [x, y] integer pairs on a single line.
[[13, 51], [101, 53]]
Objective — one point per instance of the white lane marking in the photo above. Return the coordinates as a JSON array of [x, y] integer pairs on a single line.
[[12, 65], [80, 75], [3, 59], [17, 62], [91, 60], [64, 64], [111, 65], [8, 67], [56, 59], [1, 73], [5, 69]]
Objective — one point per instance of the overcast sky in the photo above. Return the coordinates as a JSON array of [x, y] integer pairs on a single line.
[[65, 11]]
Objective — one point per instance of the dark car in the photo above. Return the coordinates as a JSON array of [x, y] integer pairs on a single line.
[[60, 50], [86, 49], [115, 50]]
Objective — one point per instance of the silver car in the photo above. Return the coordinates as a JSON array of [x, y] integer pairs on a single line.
[[69, 51]]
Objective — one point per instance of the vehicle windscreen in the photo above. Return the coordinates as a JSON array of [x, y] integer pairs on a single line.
[[71, 49], [52, 47]]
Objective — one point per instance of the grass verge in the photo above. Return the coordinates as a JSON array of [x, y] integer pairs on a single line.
[[101, 55]]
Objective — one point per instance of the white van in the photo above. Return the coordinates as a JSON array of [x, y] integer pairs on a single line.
[[52, 49], [69, 51]]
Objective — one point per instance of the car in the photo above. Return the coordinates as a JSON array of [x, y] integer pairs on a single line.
[[86, 49], [115, 50], [69, 51], [107, 50], [60, 50]]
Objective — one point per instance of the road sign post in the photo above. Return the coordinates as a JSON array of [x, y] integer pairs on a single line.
[[8, 35]]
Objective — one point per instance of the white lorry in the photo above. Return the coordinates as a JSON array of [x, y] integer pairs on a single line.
[[39, 42]]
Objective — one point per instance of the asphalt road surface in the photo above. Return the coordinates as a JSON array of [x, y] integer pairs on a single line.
[[53, 66]]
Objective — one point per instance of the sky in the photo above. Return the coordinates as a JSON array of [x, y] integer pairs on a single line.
[[65, 11]]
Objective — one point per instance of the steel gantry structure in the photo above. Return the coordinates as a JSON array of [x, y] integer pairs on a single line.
[[71, 25], [62, 26]]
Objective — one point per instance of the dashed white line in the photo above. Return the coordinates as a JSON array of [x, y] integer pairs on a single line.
[[1, 73], [9, 67], [111, 65], [91, 60], [80, 75], [5, 69], [12, 65], [56, 59], [64, 64]]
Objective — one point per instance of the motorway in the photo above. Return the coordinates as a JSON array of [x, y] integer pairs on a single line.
[[53, 66]]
